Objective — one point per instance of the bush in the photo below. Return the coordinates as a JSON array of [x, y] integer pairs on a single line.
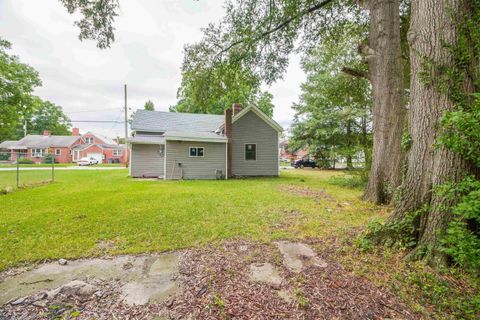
[[25, 161], [462, 239], [49, 158]]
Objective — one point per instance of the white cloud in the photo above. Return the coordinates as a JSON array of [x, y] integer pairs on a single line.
[[147, 55]]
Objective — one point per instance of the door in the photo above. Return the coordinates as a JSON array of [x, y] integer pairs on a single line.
[[96, 156]]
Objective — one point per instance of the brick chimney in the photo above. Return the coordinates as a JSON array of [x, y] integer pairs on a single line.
[[75, 132], [47, 133], [228, 133], [237, 107]]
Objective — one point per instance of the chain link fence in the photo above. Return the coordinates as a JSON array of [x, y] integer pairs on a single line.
[[22, 169]]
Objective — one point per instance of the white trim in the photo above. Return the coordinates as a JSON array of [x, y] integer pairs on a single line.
[[245, 152], [172, 138], [165, 163], [146, 142], [260, 114], [59, 152], [119, 152], [129, 160], [197, 147]]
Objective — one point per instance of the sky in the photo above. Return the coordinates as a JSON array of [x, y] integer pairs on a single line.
[[147, 55]]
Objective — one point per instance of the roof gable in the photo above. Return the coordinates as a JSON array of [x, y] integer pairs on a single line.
[[261, 115]]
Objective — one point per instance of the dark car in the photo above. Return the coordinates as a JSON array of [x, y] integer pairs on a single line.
[[304, 163]]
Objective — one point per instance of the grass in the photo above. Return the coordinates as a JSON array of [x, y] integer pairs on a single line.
[[83, 210], [57, 165], [90, 213]]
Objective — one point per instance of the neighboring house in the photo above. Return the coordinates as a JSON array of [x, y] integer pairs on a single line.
[[67, 149], [173, 145], [4, 149], [285, 154]]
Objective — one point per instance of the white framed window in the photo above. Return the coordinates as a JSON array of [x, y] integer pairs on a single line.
[[250, 151], [58, 152], [89, 140], [37, 153], [117, 152], [196, 152]]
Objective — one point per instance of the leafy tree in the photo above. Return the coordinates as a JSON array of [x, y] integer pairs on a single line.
[[210, 87], [333, 117], [149, 106], [48, 116], [97, 19], [17, 82]]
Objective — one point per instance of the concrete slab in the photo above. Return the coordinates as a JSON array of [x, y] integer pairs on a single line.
[[143, 278], [297, 256], [265, 272]]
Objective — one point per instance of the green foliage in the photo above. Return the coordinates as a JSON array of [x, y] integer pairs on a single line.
[[399, 234], [461, 131], [149, 106], [17, 82], [333, 117], [213, 87], [97, 18], [48, 116], [25, 161], [462, 238], [354, 180], [49, 158]]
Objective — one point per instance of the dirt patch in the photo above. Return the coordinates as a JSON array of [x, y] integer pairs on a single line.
[[317, 194]]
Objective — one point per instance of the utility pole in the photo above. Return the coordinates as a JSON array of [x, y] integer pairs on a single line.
[[126, 126], [25, 128]]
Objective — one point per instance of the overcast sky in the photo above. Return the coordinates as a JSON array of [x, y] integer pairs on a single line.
[[146, 55]]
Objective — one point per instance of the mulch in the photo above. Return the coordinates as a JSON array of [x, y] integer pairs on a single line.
[[215, 284]]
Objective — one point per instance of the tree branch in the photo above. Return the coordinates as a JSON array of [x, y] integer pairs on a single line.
[[281, 25], [356, 73]]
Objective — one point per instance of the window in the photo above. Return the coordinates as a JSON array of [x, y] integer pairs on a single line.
[[58, 152], [37, 152], [117, 152], [250, 151], [89, 140], [196, 151]]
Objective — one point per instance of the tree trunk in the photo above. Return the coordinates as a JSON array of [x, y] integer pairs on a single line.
[[349, 145], [386, 75], [365, 144], [432, 27]]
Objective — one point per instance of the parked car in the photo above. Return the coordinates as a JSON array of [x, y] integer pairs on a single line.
[[86, 161], [303, 163]]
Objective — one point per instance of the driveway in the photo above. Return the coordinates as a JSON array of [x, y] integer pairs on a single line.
[[63, 168]]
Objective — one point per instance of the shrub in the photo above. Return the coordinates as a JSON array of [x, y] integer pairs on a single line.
[[25, 161], [49, 158]]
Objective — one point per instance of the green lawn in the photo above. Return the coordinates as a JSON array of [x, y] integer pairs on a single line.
[[57, 165], [85, 211]]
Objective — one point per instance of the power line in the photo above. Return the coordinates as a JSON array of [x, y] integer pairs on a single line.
[[95, 110], [98, 121]]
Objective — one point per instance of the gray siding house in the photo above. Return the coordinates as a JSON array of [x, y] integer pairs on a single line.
[[172, 145]]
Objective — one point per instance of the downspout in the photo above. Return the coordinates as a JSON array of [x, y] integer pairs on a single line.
[[228, 133]]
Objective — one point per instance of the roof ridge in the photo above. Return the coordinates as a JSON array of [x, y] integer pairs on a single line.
[[174, 112]]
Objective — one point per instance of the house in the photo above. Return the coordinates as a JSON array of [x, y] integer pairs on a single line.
[[67, 149], [288, 156], [104, 149], [173, 145], [4, 149]]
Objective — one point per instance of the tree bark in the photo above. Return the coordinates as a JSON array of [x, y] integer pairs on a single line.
[[432, 27], [386, 74]]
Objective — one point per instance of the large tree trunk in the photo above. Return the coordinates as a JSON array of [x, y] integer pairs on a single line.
[[432, 28], [386, 75]]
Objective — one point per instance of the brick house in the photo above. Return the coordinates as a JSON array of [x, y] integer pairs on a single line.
[[67, 149]]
